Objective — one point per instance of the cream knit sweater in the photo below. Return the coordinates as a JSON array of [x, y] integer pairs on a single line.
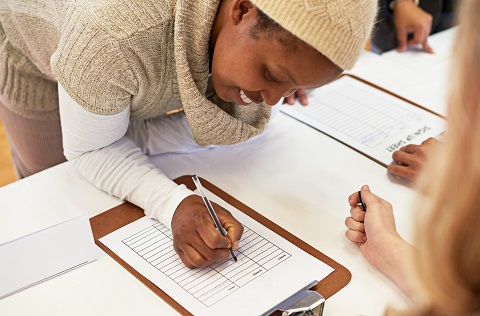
[[149, 55]]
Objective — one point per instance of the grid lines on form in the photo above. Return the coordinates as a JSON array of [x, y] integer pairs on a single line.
[[367, 118], [255, 255]]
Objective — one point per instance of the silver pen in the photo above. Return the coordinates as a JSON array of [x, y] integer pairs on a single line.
[[210, 209]]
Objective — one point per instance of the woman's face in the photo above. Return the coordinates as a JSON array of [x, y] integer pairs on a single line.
[[247, 69]]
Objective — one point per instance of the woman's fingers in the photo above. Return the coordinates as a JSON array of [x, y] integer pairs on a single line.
[[352, 224], [355, 236]]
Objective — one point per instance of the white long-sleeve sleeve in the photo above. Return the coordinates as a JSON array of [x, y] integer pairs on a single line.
[[102, 153]]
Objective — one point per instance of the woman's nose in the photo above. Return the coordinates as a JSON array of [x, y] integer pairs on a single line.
[[273, 95], [290, 92]]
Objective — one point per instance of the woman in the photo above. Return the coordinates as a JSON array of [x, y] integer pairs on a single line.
[[443, 277], [122, 60]]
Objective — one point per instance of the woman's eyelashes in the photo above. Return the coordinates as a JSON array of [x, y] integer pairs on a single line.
[[269, 76]]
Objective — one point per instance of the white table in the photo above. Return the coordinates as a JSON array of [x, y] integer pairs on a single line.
[[415, 75], [296, 176]]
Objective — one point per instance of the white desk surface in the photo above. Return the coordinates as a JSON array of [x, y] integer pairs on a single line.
[[294, 175], [415, 75]]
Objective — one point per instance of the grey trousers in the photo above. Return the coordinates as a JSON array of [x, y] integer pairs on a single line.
[[35, 144]]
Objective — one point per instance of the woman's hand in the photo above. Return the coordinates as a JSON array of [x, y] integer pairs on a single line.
[[370, 230], [300, 94], [195, 238], [375, 233], [410, 160], [410, 19]]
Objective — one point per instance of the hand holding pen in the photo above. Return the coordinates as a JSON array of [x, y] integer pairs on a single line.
[[375, 234], [196, 240], [212, 212], [370, 217]]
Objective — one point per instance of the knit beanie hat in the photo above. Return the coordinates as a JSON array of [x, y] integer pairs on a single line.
[[338, 29]]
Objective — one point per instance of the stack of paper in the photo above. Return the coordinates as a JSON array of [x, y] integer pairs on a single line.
[[35, 245]]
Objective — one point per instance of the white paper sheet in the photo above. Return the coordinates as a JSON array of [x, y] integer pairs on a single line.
[[45, 254], [366, 119], [269, 268], [414, 74], [415, 84], [421, 62]]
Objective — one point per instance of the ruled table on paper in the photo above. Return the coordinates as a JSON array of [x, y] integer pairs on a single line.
[[365, 118], [269, 268], [255, 255]]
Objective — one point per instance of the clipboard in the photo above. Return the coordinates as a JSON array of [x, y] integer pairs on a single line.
[[289, 112], [123, 214]]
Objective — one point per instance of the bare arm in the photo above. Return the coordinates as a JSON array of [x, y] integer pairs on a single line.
[[375, 234]]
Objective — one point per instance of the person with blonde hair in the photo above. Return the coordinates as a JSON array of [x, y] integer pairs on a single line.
[[441, 274], [78, 72]]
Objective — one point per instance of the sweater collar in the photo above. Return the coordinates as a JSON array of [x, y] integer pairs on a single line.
[[221, 123]]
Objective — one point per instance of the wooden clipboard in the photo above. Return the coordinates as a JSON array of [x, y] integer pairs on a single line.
[[380, 89], [123, 214]]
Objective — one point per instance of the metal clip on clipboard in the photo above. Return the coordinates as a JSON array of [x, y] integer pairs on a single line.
[[302, 303]]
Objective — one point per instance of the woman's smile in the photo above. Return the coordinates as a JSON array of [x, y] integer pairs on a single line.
[[242, 98]]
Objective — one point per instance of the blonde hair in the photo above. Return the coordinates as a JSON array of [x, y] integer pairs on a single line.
[[448, 235]]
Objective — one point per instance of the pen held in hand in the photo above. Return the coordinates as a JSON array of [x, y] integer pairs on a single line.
[[210, 209], [364, 207]]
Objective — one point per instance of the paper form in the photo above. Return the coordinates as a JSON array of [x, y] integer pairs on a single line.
[[419, 61], [428, 81], [45, 254], [418, 84], [269, 268], [366, 119]]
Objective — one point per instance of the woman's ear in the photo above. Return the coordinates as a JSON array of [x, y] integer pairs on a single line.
[[241, 9]]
